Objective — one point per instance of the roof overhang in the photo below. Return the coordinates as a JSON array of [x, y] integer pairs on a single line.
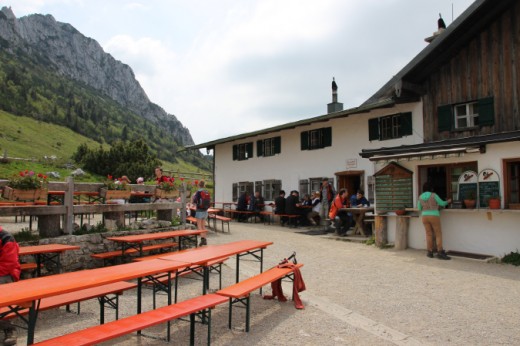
[[439, 149], [428, 154]]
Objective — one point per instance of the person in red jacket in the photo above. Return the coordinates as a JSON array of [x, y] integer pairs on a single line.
[[340, 217], [9, 272]]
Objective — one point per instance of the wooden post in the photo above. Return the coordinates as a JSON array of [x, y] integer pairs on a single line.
[[401, 232], [183, 204], [49, 226], [117, 216], [68, 201], [381, 232]]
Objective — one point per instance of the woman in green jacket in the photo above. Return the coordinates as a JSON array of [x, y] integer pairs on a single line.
[[429, 204]]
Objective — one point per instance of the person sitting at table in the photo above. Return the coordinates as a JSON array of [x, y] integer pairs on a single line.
[[358, 200], [256, 204], [293, 207], [315, 211], [242, 205], [279, 206], [341, 217], [9, 271]]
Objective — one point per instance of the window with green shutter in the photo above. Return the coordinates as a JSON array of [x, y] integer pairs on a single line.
[[444, 118], [242, 151], [268, 147], [316, 139], [373, 129], [486, 112]]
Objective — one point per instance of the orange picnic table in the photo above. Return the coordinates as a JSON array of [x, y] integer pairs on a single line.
[[31, 291], [46, 254], [136, 241], [202, 255]]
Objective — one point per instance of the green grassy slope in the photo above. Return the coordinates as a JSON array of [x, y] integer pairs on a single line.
[[27, 138]]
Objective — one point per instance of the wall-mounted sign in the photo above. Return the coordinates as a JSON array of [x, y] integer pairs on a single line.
[[351, 163], [488, 186], [468, 186]]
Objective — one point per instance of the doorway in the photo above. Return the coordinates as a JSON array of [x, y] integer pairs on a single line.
[[350, 180]]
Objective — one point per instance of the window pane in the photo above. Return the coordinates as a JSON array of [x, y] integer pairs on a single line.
[[460, 110]]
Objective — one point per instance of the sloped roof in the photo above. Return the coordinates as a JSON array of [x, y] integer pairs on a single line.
[[294, 124], [476, 17]]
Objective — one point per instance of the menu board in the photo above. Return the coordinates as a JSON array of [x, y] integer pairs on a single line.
[[468, 186], [488, 186]]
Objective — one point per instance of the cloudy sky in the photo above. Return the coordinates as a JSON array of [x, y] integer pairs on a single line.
[[231, 66]]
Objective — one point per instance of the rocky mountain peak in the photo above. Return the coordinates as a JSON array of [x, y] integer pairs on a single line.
[[71, 54]]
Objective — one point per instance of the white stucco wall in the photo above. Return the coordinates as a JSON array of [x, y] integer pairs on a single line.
[[349, 136]]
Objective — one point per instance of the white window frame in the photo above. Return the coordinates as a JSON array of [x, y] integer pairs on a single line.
[[390, 126], [470, 117], [269, 147]]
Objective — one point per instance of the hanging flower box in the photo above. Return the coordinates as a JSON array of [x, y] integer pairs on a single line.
[[114, 194], [172, 193], [22, 195]]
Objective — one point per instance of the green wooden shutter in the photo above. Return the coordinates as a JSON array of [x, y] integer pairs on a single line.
[[444, 118], [277, 145], [406, 124], [486, 112], [327, 137], [235, 152], [260, 148], [304, 140], [373, 129], [249, 149]]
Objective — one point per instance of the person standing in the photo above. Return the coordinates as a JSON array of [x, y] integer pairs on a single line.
[[429, 203], [202, 201], [9, 271], [326, 198]]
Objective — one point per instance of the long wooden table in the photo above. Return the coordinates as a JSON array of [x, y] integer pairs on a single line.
[[46, 254], [15, 295], [136, 241], [359, 215]]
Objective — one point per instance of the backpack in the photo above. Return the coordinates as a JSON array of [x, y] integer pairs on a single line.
[[204, 200]]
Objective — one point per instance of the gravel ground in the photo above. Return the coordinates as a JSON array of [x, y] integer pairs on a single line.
[[356, 294]]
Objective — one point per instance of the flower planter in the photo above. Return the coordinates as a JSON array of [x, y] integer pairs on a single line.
[[22, 195], [494, 203], [114, 194], [470, 203], [160, 193]]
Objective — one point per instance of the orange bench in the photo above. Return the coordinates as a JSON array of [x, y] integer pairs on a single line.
[[118, 253], [241, 291], [201, 305], [102, 292], [221, 218], [29, 267]]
